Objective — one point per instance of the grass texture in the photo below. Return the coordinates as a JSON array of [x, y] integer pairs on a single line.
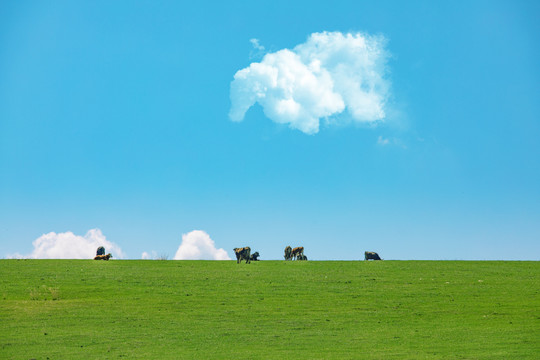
[[84, 309]]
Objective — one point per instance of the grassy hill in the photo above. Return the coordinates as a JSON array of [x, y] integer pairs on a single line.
[[79, 309]]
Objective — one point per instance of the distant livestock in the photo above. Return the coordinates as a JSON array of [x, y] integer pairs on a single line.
[[288, 253], [243, 254], [100, 251], [297, 252], [369, 255], [254, 256], [301, 257], [103, 257]]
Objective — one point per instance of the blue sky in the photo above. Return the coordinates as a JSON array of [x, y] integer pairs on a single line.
[[115, 116]]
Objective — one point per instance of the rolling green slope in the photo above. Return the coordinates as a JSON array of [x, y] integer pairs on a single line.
[[79, 309]]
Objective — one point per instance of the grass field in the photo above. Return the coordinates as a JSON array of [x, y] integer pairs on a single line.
[[79, 309]]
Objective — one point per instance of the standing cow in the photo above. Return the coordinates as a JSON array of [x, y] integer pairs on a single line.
[[100, 251], [243, 254], [297, 252], [288, 253], [369, 255]]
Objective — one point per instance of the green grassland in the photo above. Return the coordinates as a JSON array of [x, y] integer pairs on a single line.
[[79, 309]]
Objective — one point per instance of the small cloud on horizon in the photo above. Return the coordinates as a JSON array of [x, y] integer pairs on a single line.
[[67, 245], [153, 255], [149, 256], [197, 245], [330, 73]]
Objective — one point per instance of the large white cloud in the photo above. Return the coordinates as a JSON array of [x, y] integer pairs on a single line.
[[70, 246], [320, 78], [197, 245]]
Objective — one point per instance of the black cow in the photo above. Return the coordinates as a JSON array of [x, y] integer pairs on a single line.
[[369, 255], [243, 254], [288, 253], [100, 251], [254, 256]]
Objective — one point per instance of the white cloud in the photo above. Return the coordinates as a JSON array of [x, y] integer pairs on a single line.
[[153, 255], [391, 141], [70, 246], [382, 141], [258, 50], [329, 73], [256, 44], [197, 245], [148, 256]]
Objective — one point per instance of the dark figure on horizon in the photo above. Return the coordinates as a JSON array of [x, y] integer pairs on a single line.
[[242, 254], [297, 252], [369, 255], [288, 253]]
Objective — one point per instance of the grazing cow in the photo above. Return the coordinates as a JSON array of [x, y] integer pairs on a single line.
[[301, 257], [369, 255], [242, 254], [288, 253], [103, 257], [254, 256], [100, 251], [297, 251]]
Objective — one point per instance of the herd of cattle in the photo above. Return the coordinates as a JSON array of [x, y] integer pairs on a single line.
[[245, 254], [290, 254], [295, 254]]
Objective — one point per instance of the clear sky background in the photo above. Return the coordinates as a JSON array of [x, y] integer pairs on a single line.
[[115, 116]]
